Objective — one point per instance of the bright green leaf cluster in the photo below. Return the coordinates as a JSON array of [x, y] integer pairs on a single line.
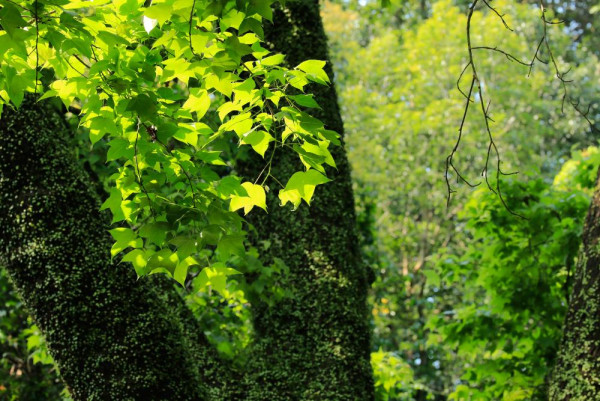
[[170, 87]]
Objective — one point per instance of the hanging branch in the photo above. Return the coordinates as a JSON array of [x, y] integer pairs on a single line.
[[561, 75], [475, 86]]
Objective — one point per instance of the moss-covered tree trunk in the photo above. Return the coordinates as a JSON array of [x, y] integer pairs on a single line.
[[576, 376], [314, 345], [113, 337]]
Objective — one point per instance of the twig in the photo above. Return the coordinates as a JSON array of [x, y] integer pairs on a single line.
[[475, 79], [138, 172], [37, 41], [190, 29], [561, 75], [508, 55]]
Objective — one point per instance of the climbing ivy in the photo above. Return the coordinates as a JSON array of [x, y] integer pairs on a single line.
[[178, 89]]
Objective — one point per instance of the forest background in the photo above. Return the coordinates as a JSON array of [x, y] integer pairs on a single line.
[[468, 300]]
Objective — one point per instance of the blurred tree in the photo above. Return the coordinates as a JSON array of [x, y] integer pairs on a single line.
[[402, 110]]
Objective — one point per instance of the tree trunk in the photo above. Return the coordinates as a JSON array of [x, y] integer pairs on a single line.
[[576, 376], [113, 337], [314, 345]]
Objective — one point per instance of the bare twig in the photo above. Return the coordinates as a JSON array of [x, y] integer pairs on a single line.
[[508, 55], [561, 75], [476, 81], [501, 16]]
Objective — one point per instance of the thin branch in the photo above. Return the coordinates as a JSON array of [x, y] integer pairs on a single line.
[[450, 158], [152, 132], [460, 78], [37, 41], [81, 61], [561, 75], [475, 80], [508, 55], [190, 29], [535, 56], [138, 172], [501, 16]]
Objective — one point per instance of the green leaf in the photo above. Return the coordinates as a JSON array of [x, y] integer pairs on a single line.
[[314, 70], [180, 274], [273, 60], [111, 39], [10, 18], [301, 186], [305, 100], [263, 8], [114, 204], [16, 90], [240, 124], [138, 258], [231, 185], [143, 106], [160, 12], [124, 238], [163, 260], [99, 126], [165, 39], [231, 245], [199, 40], [211, 234], [119, 148], [185, 246], [198, 102], [222, 84], [433, 278], [233, 19], [259, 140], [155, 232], [227, 108], [256, 197]]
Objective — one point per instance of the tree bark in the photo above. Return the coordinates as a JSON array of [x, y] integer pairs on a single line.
[[314, 345], [576, 376], [113, 337]]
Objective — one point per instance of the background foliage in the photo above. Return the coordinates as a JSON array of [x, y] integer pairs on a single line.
[[396, 73]]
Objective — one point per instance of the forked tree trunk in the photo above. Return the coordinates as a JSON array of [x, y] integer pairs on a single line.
[[576, 376]]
